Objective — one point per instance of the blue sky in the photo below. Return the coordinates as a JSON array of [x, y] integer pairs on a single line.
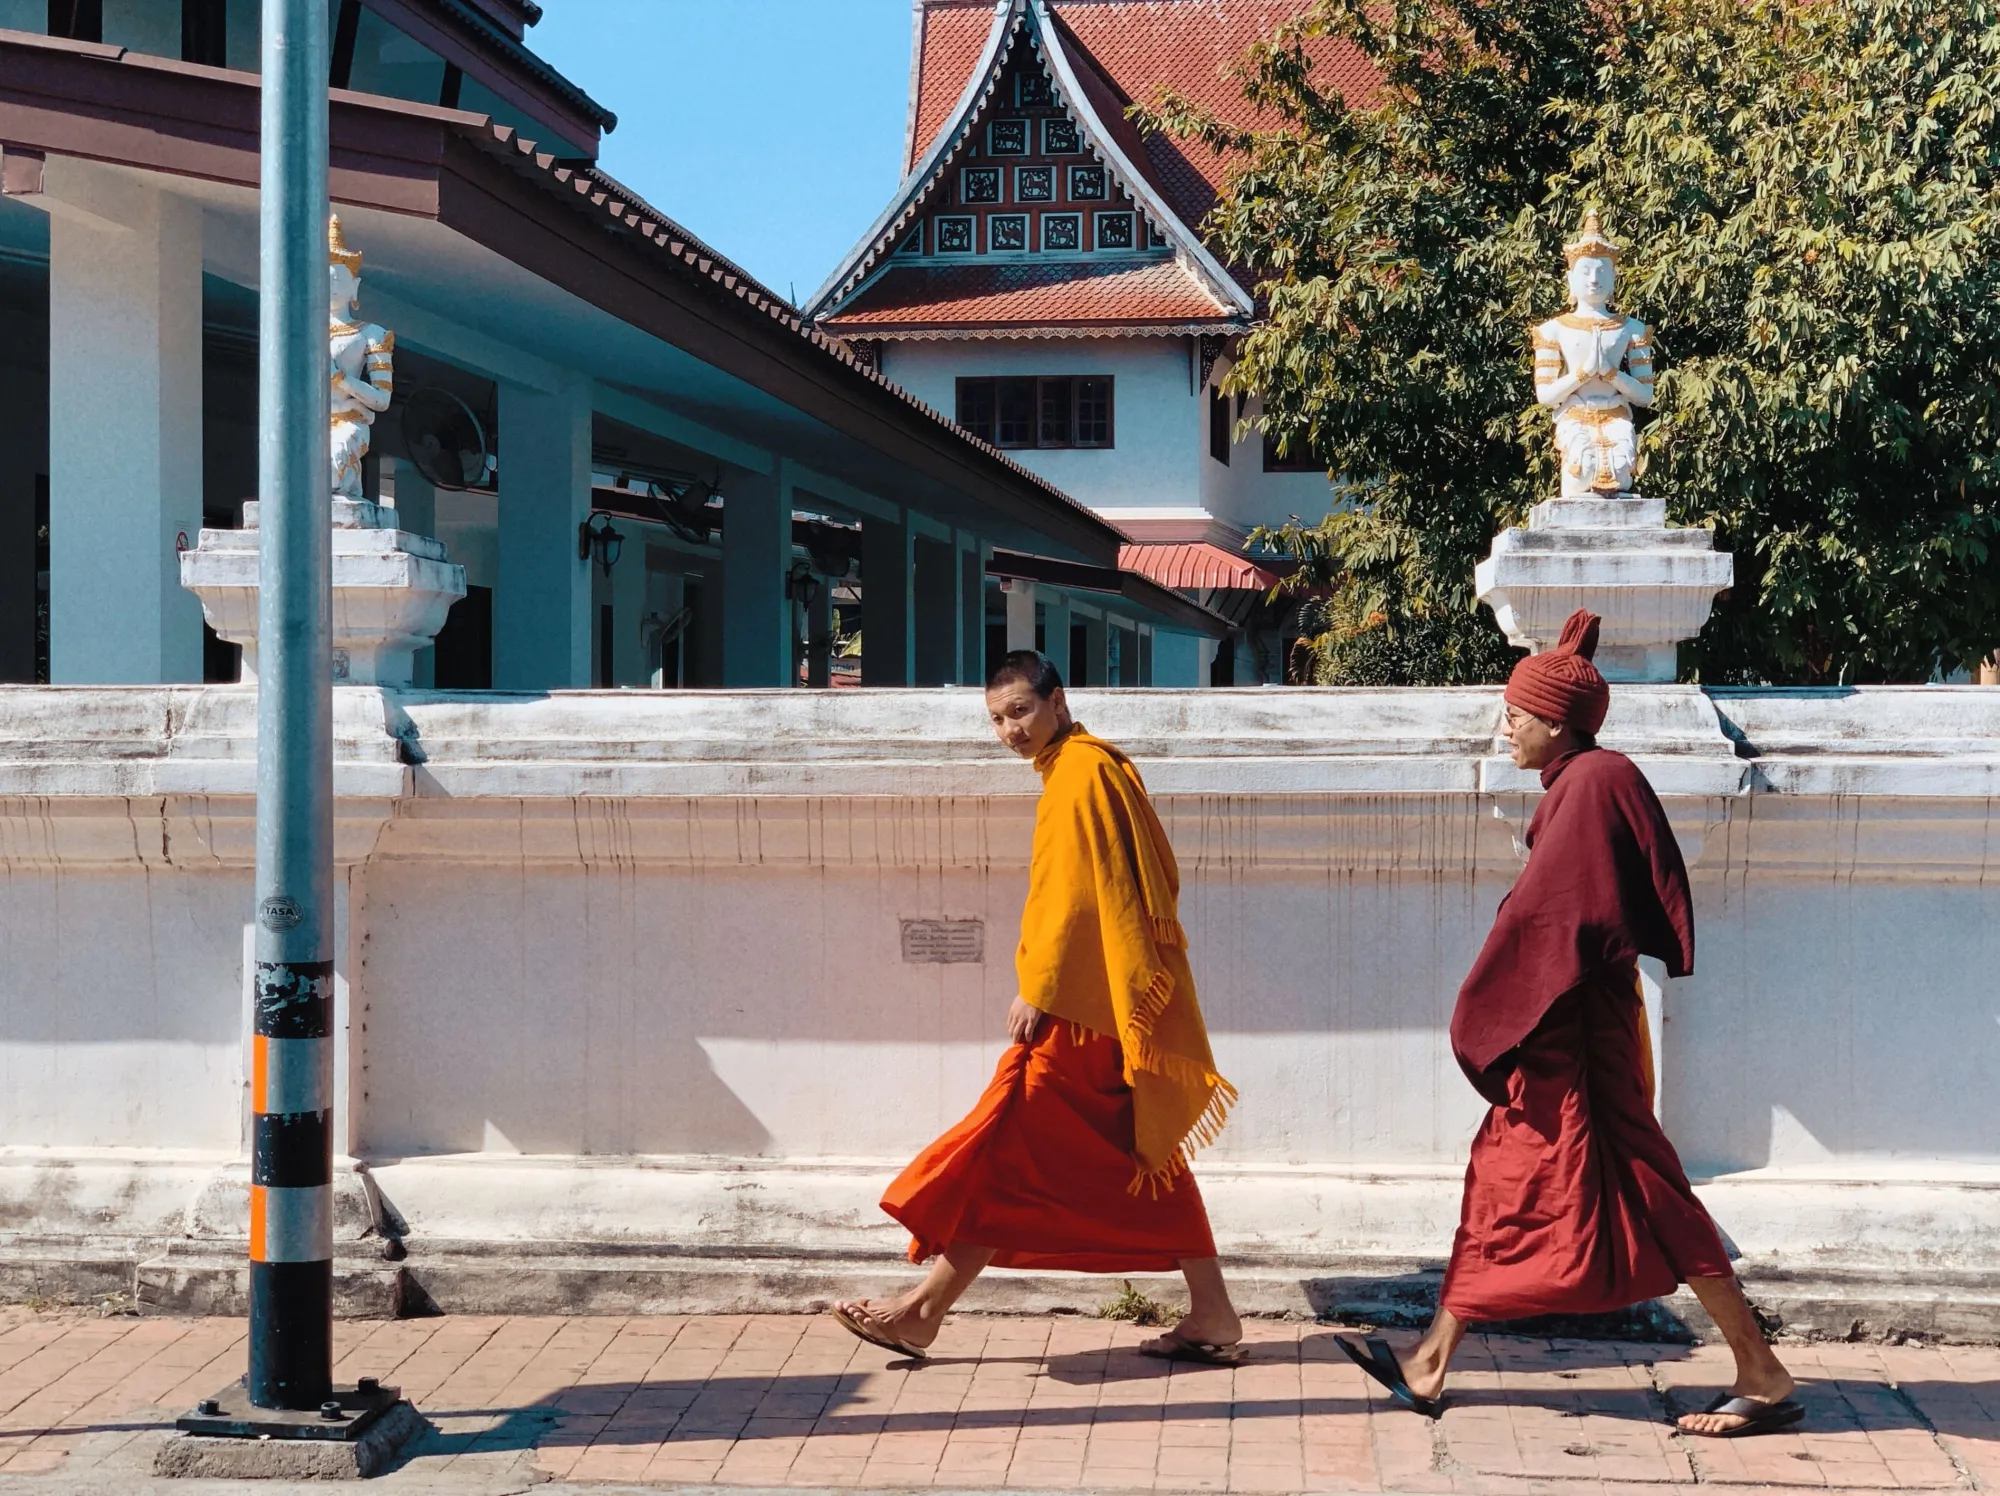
[[771, 128]]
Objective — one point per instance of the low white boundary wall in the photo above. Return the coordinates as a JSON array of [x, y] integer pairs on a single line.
[[624, 971]]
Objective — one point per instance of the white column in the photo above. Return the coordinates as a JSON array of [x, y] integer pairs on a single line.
[[756, 553], [124, 427], [1020, 597], [541, 603]]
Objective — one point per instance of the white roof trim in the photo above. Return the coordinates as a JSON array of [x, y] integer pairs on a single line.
[[1188, 242], [916, 186], [871, 255]]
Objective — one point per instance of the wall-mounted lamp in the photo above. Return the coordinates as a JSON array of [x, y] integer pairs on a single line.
[[596, 538], [801, 586]]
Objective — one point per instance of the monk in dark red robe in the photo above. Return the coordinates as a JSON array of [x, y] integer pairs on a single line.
[[1575, 1202], [1076, 1157]]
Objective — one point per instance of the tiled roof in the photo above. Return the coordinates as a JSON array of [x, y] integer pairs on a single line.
[[1197, 567], [597, 195], [1139, 45], [1150, 295]]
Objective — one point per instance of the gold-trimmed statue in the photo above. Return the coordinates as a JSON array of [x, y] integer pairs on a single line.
[[362, 354], [1591, 367]]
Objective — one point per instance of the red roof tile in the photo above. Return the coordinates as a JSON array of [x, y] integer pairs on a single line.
[[1139, 45], [1197, 567], [993, 298]]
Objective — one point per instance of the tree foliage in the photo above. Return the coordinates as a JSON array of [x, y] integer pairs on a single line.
[[1807, 192]]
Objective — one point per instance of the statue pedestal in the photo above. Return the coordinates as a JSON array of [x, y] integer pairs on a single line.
[[1652, 586], [391, 591]]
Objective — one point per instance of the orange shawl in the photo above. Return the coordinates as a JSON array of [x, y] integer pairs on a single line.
[[1102, 946]]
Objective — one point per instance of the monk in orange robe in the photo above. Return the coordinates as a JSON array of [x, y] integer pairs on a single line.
[[1575, 1202], [1076, 1158]]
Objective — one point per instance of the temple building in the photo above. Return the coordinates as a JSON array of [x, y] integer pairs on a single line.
[[652, 470], [1040, 273]]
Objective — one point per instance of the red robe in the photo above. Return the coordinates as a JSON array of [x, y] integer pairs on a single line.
[[1042, 1171], [1575, 1202]]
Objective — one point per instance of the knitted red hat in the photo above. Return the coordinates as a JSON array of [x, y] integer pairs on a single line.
[[1562, 685]]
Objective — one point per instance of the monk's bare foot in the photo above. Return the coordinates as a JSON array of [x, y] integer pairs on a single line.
[[1219, 1328], [1424, 1368], [900, 1319], [1769, 1383]]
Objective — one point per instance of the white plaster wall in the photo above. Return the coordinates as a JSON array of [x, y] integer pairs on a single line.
[[1158, 435], [121, 1007], [626, 966], [1242, 494]]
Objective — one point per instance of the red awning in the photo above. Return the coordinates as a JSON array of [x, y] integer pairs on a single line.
[[1197, 566]]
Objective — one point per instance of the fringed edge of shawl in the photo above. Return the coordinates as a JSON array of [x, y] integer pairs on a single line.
[[1206, 1129], [1147, 1010], [1167, 933]]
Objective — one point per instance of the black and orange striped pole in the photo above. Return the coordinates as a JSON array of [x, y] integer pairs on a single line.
[[291, 1184], [291, 1154]]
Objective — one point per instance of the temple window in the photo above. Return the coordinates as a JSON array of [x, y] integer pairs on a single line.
[[1060, 137], [1051, 412], [979, 184], [954, 236], [1032, 90], [1062, 231], [1034, 184], [1007, 231]]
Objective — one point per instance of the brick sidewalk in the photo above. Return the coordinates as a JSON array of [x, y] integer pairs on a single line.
[[1066, 1403]]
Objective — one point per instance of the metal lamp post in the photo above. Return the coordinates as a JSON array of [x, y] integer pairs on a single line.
[[288, 1394], [291, 1157]]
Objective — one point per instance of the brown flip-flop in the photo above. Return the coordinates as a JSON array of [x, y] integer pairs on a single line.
[[888, 1342], [1201, 1352]]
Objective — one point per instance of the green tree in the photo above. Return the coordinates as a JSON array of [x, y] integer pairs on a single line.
[[1807, 190]]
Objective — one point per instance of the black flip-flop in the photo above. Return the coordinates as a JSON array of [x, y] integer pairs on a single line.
[[1758, 1417], [1380, 1363], [1174, 1346], [863, 1331]]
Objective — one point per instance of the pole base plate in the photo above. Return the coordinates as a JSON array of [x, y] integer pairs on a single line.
[[347, 1415]]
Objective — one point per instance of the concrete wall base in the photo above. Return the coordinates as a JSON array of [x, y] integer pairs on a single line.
[[590, 1278], [198, 1457]]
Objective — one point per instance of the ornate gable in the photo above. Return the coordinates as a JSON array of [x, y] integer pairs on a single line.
[[1036, 181]]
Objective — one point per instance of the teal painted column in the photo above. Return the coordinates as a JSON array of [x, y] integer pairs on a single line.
[[542, 600], [757, 617], [886, 566], [971, 612], [934, 596]]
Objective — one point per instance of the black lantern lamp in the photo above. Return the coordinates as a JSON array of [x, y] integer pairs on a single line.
[[801, 586], [595, 537]]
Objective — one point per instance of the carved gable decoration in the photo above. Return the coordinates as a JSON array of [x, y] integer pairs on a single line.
[[1029, 170]]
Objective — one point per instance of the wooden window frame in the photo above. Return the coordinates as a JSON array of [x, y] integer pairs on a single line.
[[991, 433]]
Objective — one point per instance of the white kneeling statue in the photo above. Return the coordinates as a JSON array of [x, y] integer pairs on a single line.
[[1599, 544], [362, 354], [1591, 368], [391, 589]]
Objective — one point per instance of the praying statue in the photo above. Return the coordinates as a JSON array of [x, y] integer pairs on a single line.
[[1591, 367], [361, 354]]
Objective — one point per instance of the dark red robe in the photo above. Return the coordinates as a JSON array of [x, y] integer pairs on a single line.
[[1575, 1202]]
